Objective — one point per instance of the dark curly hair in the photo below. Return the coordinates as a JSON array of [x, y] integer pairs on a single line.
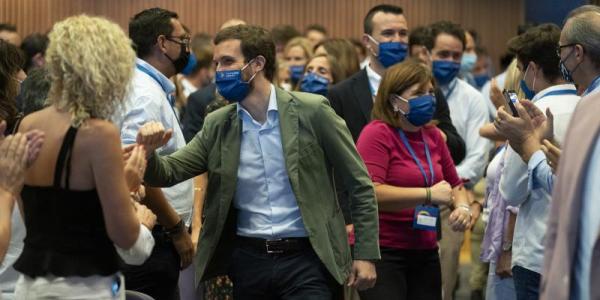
[[11, 61]]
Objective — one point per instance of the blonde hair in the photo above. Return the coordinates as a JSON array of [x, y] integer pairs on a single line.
[[513, 79], [91, 63], [301, 42]]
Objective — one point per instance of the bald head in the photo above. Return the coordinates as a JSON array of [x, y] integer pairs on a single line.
[[232, 22]]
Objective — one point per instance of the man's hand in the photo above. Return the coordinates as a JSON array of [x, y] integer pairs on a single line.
[[184, 247], [152, 136], [363, 275], [525, 132], [552, 153], [503, 268], [496, 94]]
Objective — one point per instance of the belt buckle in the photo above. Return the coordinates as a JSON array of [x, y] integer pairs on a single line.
[[269, 245]]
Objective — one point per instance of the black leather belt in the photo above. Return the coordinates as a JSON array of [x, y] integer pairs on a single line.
[[282, 246]]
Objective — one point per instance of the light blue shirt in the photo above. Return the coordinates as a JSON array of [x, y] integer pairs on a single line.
[[525, 186], [589, 224], [267, 206], [148, 100]]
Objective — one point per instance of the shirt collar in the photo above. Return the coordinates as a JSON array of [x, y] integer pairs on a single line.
[[272, 105], [374, 79], [541, 94], [167, 85], [451, 85]]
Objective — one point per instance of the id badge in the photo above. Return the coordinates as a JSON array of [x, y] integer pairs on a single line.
[[426, 217]]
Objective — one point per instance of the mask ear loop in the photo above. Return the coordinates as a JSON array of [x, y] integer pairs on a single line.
[[397, 97], [376, 43], [244, 67]]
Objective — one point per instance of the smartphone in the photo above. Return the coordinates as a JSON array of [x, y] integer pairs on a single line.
[[511, 99]]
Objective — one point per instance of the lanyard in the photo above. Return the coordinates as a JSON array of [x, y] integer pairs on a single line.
[[451, 89], [158, 80], [592, 86], [558, 93], [416, 159]]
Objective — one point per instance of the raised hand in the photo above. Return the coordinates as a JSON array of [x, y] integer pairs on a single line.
[[152, 136], [13, 159], [135, 168]]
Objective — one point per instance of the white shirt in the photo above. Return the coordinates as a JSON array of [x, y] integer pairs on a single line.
[[485, 91], [374, 80], [468, 113], [534, 201], [8, 275], [147, 101], [187, 86]]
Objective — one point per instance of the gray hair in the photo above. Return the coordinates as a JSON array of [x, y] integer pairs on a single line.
[[583, 9], [584, 29]]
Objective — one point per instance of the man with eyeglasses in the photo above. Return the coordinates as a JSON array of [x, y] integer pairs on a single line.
[[162, 48]]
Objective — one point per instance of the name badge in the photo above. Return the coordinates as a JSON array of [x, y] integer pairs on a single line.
[[426, 217]]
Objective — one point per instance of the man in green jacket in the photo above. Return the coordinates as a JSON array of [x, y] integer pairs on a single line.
[[271, 218]]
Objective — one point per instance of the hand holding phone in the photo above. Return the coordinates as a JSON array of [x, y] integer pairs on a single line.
[[511, 99]]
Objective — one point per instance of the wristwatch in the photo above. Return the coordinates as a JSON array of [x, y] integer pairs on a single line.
[[506, 246], [175, 230]]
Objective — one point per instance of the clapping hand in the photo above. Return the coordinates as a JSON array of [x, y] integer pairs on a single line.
[[135, 167], [552, 153], [13, 160]]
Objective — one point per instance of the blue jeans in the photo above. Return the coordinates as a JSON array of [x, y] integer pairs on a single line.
[[499, 288], [527, 283]]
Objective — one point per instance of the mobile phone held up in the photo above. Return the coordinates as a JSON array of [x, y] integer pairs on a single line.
[[511, 99]]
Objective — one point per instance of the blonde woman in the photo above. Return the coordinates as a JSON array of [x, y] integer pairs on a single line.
[[77, 195], [296, 54]]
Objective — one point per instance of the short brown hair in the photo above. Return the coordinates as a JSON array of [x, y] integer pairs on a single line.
[[396, 80], [538, 44], [254, 41]]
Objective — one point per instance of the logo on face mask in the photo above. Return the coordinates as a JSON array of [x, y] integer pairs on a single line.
[[390, 53], [420, 109], [445, 71], [231, 85], [314, 83]]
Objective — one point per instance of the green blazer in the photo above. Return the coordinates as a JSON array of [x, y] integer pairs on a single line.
[[315, 141]]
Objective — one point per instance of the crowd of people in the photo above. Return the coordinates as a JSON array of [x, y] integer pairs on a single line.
[[274, 164]]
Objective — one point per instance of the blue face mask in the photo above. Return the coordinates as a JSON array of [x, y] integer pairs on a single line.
[[444, 71], [467, 62], [390, 53], [421, 109], [480, 80], [529, 94], [314, 83], [296, 73], [231, 86], [190, 66]]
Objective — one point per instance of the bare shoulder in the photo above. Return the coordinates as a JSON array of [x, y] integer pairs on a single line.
[[97, 135]]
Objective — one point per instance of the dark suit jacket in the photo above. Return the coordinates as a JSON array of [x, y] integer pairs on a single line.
[[352, 100], [311, 150], [196, 110]]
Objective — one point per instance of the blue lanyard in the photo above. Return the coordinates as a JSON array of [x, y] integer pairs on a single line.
[[158, 80], [416, 159], [592, 86], [558, 93], [451, 89]]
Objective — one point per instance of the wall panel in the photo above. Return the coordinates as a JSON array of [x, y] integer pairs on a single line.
[[496, 21]]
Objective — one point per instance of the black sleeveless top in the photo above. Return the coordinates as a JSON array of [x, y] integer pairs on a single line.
[[66, 235]]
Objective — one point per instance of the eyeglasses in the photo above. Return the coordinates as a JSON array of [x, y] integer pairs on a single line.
[[559, 47], [184, 40]]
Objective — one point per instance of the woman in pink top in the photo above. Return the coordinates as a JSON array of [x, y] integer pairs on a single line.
[[413, 174]]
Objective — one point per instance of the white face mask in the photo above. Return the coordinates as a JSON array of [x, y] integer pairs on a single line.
[[286, 86]]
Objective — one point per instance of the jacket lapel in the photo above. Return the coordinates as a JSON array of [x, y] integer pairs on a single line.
[[362, 91], [288, 124], [231, 137]]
